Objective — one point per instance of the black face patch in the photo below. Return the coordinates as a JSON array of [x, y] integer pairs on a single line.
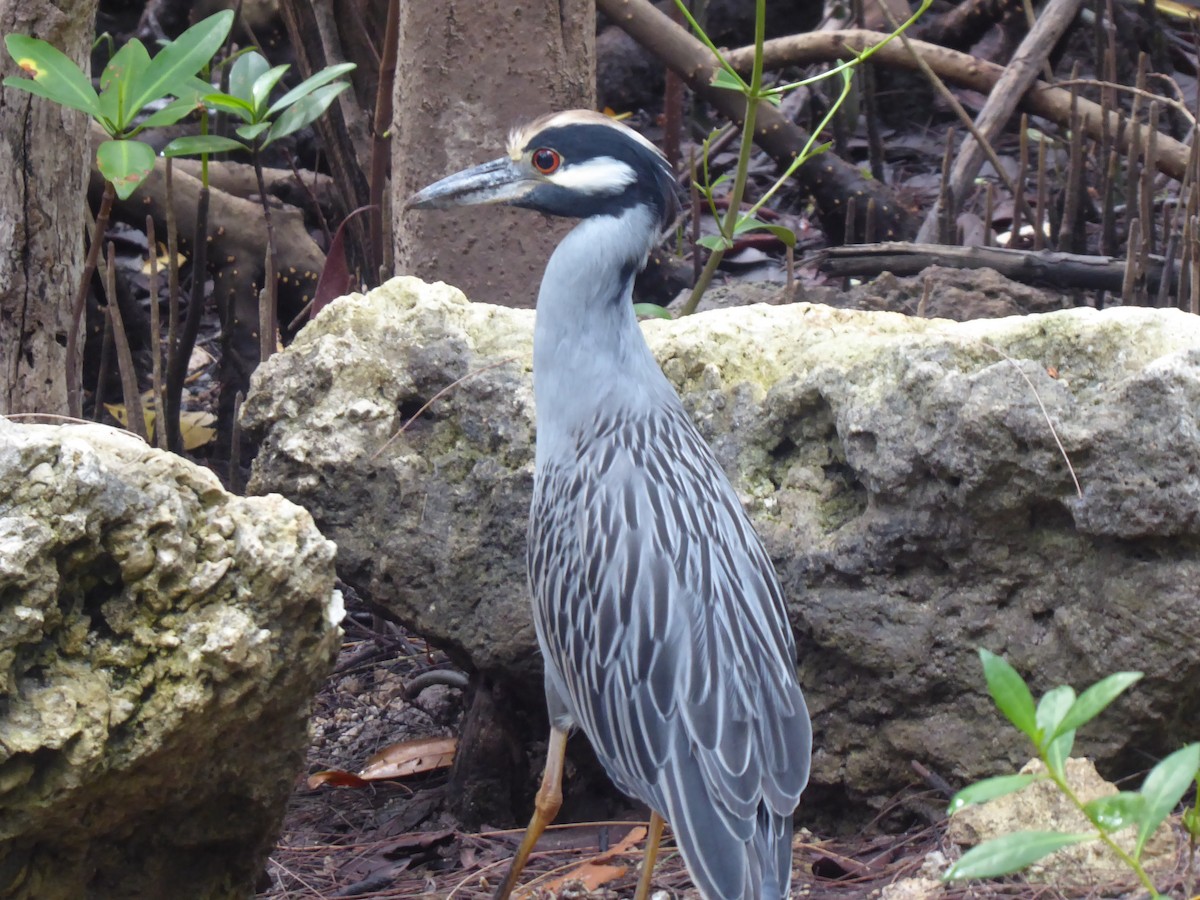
[[654, 185]]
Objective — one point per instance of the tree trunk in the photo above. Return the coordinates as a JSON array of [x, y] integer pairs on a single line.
[[468, 73], [44, 161]]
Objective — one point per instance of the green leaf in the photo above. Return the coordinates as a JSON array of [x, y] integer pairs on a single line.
[[1163, 789], [182, 58], [55, 76], [1093, 701], [785, 235], [1051, 710], [720, 181], [714, 242], [1116, 811], [722, 78], [1010, 693], [652, 310], [303, 111], [1010, 853], [749, 223], [263, 86], [989, 789], [228, 103], [117, 83], [308, 85], [170, 114], [1191, 821], [125, 163], [245, 70], [250, 132], [202, 143]]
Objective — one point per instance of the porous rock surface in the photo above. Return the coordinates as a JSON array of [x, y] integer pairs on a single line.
[[160, 641], [902, 472]]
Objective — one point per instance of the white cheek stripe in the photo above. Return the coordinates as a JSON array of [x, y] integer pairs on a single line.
[[602, 175]]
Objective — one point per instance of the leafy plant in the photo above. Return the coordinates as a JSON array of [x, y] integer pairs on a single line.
[[251, 81], [735, 223], [1050, 725], [129, 83]]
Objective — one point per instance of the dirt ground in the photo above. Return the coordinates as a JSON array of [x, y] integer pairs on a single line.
[[394, 838]]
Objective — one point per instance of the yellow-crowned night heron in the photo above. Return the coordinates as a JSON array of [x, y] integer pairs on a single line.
[[658, 612]]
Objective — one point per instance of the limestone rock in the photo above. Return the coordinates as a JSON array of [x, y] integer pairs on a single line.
[[901, 471], [160, 641], [1041, 806]]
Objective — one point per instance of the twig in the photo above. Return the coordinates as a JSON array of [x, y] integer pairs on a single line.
[[379, 139], [1019, 75], [1045, 415], [135, 419], [74, 384], [160, 434]]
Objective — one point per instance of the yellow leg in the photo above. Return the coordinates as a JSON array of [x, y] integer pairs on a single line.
[[653, 836], [545, 808]]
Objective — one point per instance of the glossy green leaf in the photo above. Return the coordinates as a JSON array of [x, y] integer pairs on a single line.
[[725, 79], [1163, 788], [55, 76], [652, 310], [714, 242], [118, 82], [263, 85], [252, 131], [989, 789], [1093, 701], [1010, 853], [193, 145], [786, 235], [1051, 710], [247, 69], [228, 103], [177, 63], [309, 85], [1010, 693], [1116, 811], [169, 114], [304, 111], [125, 163], [747, 223]]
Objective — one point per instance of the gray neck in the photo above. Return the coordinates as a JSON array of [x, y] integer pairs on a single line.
[[589, 356]]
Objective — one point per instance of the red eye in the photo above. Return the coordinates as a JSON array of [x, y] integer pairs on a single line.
[[546, 160]]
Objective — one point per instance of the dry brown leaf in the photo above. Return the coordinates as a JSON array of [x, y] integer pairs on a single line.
[[410, 758], [335, 778], [591, 875], [595, 872]]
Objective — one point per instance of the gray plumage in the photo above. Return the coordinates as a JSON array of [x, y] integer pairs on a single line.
[[664, 631]]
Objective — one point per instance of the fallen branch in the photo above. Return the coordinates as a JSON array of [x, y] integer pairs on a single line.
[[1041, 268], [1042, 99]]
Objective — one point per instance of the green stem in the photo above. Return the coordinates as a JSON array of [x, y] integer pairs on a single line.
[[1101, 832], [753, 98]]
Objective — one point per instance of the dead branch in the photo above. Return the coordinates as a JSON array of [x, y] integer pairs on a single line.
[[1019, 74], [966, 71], [1040, 268]]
